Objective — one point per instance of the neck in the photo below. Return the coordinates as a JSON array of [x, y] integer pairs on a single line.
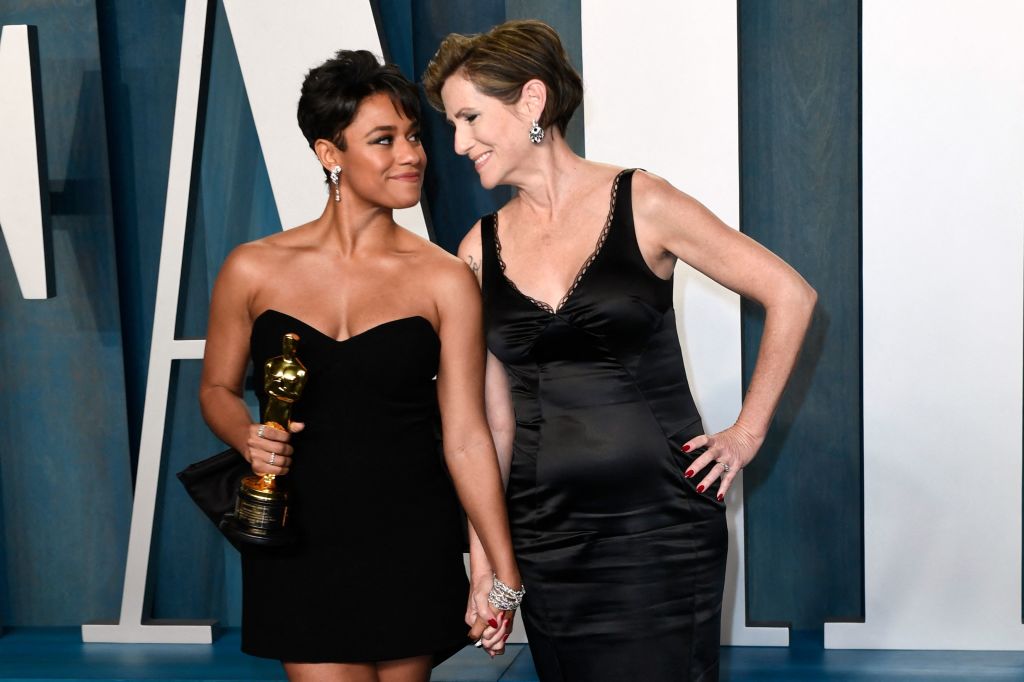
[[543, 185], [351, 225]]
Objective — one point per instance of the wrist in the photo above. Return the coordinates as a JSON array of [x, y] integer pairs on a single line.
[[510, 578], [752, 433], [505, 597]]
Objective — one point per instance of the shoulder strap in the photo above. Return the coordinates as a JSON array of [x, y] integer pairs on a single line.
[[488, 252]]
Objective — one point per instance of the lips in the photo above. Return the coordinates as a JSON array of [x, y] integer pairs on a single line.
[[407, 177], [479, 161]]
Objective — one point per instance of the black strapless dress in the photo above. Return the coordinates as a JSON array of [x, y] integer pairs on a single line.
[[623, 560], [378, 574]]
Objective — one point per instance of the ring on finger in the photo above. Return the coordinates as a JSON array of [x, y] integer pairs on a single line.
[[273, 457], [725, 467], [260, 431]]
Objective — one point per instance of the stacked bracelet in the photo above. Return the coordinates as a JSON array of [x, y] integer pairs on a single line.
[[503, 597]]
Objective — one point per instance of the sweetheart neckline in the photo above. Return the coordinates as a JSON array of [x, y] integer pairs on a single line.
[[376, 327]]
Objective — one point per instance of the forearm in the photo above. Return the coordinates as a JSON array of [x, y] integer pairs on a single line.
[[786, 323], [479, 564], [479, 487], [227, 415], [502, 436]]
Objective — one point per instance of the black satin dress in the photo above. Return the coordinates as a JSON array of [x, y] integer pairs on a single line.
[[623, 560], [377, 515]]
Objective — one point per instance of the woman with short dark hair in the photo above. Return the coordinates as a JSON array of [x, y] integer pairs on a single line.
[[616, 493], [376, 590]]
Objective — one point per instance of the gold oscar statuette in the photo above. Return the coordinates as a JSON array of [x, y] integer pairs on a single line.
[[261, 510]]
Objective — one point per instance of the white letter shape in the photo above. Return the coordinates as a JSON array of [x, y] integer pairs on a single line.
[[24, 194]]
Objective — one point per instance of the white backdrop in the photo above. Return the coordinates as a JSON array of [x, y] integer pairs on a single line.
[[943, 193]]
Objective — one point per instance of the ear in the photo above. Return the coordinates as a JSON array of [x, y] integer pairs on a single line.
[[329, 155], [532, 98]]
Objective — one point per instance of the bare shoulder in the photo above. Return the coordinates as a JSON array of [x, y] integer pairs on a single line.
[[436, 265], [471, 249], [652, 193], [659, 206], [246, 261]]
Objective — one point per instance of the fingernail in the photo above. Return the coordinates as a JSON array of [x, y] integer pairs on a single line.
[[507, 635], [700, 488], [686, 448], [721, 497], [689, 473], [493, 623]]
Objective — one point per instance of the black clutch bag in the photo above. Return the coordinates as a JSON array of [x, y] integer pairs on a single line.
[[213, 484]]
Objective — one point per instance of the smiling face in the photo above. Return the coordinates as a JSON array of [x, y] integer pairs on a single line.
[[491, 133], [383, 160]]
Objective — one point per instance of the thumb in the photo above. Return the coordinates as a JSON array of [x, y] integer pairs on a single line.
[[477, 631], [295, 427]]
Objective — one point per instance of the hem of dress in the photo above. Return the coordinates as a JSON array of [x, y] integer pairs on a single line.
[[440, 653]]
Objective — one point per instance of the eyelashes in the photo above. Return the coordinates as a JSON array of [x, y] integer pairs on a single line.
[[387, 140]]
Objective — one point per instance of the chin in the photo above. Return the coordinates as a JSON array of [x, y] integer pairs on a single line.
[[405, 204], [488, 182], [406, 201]]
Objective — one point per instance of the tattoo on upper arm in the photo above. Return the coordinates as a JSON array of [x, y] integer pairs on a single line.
[[473, 264]]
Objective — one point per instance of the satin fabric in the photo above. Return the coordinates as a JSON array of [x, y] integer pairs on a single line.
[[370, 498], [623, 560]]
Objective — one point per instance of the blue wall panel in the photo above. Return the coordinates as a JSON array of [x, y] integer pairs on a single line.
[[140, 44], [800, 196], [64, 467]]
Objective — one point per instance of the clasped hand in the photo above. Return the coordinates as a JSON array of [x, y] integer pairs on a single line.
[[489, 627]]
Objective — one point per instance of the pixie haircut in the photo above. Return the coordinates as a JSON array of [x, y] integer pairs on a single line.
[[502, 60], [333, 91]]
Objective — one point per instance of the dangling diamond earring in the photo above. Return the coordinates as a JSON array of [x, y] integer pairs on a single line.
[[536, 133], [335, 172]]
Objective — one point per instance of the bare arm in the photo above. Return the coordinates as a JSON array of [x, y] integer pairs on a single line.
[[501, 421], [683, 228], [469, 450], [224, 363]]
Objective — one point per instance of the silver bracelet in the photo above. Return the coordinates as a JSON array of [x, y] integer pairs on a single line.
[[503, 597]]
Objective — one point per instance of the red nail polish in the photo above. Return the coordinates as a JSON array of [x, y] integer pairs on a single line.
[[721, 497], [686, 448], [700, 488], [689, 473], [493, 623], [505, 638]]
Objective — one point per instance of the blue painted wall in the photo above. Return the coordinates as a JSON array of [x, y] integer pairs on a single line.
[[78, 362], [65, 482], [800, 196]]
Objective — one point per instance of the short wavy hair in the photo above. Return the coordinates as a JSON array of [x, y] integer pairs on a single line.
[[333, 91], [502, 60]]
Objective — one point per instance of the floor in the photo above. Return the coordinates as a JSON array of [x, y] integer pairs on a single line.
[[59, 654]]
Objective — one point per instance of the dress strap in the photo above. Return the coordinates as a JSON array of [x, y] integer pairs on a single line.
[[490, 266]]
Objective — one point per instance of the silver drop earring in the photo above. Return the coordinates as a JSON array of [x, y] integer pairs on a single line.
[[335, 172], [536, 133]]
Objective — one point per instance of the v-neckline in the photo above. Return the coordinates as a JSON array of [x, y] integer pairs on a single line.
[[601, 239]]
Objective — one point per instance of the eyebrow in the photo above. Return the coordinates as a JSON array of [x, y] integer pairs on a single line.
[[381, 129], [390, 129]]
